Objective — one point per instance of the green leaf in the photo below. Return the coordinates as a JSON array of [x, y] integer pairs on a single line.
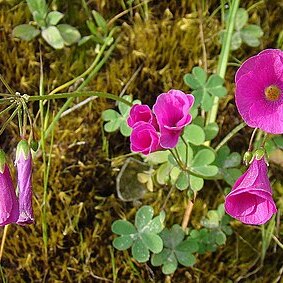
[[200, 75], [100, 21], [251, 34], [236, 41], [125, 130], [233, 160], [207, 170], [158, 157], [39, 10], [278, 141], [182, 182], [214, 86], [156, 224], [220, 238], [112, 126], [70, 34], [231, 175], [194, 134], [196, 183], [162, 173], [170, 265], [53, 37], [143, 216], [211, 131], [152, 241], [84, 39], [109, 115], [123, 227], [123, 242], [203, 157], [207, 101], [189, 246], [241, 19], [25, 32], [160, 258], [198, 94], [185, 258], [54, 17], [139, 251]]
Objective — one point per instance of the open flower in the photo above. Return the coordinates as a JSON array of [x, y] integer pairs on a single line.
[[24, 168], [250, 200], [139, 113], [172, 114], [259, 91], [9, 206], [144, 138]]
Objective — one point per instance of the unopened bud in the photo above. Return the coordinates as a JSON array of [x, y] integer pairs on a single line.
[[259, 153], [247, 158]]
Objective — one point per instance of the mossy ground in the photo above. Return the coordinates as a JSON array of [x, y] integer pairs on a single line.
[[160, 46]]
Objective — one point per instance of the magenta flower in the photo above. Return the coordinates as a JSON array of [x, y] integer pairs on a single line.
[[24, 167], [144, 138], [250, 200], [259, 91], [172, 114], [9, 206], [139, 113]]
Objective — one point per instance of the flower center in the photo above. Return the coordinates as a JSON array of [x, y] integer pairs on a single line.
[[272, 93]]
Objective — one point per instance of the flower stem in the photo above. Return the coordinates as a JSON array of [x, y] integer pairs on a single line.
[[251, 140], [230, 135], [187, 149], [223, 58], [77, 94], [188, 212], [3, 241]]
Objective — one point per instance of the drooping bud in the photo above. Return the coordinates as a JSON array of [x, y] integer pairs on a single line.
[[259, 153], [9, 205], [247, 158], [24, 168]]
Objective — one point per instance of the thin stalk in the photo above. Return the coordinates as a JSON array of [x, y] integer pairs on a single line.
[[69, 101], [20, 121], [3, 241], [179, 162], [45, 179], [224, 54], [88, 71], [187, 149], [9, 119], [26, 112], [252, 140], [13, 105], [78, 94], [230, 135], [6, 85]]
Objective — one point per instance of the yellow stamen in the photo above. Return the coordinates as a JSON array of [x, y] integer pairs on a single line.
[[272, 93]]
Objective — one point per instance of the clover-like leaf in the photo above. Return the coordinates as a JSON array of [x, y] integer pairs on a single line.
[[25, 32], [182, 182], [69, 33], [143, 237], [196, 183], [54, 17], [53, 37], [211, 130], [175, 250], [205, 90], [194, 134], [241, 19]]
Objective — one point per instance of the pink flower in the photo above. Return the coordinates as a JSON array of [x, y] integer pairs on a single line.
[[24, 167], [250, 200], [259, 91], [172, 114], [139, 113], [144, 138], [9, 206]]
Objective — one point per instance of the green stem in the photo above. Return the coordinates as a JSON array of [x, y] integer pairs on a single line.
[[230, 135], [77, 94], [9, 119], [224, 54], [187, 149], [69, 101], [8, 108], [88, 71], [6, 85]]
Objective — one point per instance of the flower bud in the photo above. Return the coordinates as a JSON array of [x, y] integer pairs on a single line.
[[259, 153], [24, 168], [247, 158], [9, 206]]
